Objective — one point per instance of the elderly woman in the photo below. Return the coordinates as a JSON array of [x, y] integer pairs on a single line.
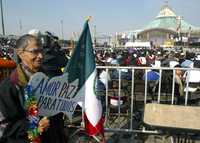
[[13, 116]]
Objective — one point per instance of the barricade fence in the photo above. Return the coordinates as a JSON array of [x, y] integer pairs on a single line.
[[128, 89]]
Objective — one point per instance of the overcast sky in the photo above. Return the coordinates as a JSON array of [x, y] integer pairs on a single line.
[[109, 16]]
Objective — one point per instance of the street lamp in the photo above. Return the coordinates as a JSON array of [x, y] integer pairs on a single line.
[[2, 20]]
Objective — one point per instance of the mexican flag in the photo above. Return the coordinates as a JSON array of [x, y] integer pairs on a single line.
[[82, 67]]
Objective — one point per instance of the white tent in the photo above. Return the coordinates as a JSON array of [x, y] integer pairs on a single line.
[[192, 76], [138, 44]]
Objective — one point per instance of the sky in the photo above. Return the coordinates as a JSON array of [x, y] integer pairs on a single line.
[[108, 16]]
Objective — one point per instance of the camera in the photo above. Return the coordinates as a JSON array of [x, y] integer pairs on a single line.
[[48, 40], [54, 57]]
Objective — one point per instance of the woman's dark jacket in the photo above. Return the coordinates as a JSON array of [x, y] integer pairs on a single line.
[[12, 107]]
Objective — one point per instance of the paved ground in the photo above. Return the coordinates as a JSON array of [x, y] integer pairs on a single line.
[[152, 139], [144, 138]]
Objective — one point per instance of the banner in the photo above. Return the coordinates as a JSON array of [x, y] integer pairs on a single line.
[[55, 95]]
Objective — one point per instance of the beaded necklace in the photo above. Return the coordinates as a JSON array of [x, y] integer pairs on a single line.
[[32, 115]]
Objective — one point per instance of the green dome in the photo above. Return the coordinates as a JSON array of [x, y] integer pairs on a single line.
[[168, 20]]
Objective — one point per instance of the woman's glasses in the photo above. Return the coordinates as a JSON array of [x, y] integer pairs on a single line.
[[35, 51]]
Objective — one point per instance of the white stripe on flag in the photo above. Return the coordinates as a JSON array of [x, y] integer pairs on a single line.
[[92, 106]]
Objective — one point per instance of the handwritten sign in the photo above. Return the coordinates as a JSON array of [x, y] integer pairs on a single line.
[[55, 95]]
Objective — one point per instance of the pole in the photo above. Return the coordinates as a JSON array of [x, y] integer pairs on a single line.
[[2, 19], [62, 29]]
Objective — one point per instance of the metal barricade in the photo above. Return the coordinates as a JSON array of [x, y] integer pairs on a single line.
[[127, 124]]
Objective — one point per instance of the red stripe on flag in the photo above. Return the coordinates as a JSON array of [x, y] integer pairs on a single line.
[[91, 130]]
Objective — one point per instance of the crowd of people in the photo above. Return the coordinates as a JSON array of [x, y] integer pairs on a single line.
[[7, 44], [145, 57]]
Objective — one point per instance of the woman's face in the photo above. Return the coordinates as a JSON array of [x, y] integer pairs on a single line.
[[32, 55]]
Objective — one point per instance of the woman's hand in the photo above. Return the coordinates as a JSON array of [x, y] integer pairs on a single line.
[[43, 124]]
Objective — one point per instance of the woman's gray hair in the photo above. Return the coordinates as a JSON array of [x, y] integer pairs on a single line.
[[24, 40]]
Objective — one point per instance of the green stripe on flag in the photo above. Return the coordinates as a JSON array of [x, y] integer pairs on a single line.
[[82, 62]]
